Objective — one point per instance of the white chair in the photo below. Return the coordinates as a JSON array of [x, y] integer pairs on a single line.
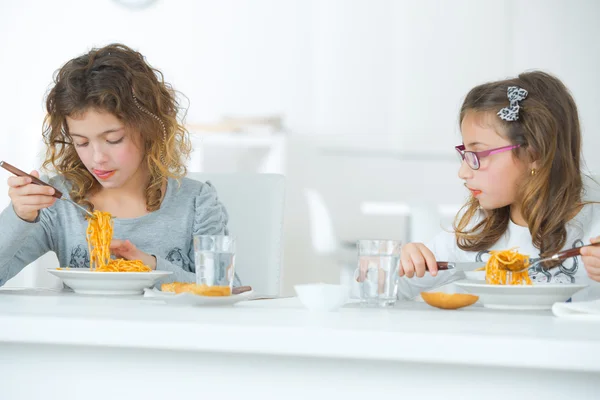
[[322, 233], [255, 203], [325, 242]]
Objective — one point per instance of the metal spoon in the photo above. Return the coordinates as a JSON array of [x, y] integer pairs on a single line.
[[57, 193]]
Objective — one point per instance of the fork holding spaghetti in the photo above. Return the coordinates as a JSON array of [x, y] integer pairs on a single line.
[[507, 267], [99, 235]]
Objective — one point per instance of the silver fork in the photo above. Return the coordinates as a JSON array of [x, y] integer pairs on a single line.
[[77, 205]]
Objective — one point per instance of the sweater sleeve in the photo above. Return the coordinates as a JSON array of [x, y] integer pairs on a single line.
[[23, 242]]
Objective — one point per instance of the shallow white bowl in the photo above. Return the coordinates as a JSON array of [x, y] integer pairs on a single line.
[[84, 281], [520, 297], [475, 275], [322, 296]]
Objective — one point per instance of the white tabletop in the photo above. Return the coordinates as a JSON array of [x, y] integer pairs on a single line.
[[410, 332]]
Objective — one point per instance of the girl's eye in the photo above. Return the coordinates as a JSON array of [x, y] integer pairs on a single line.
[[81, 144], [116, 141]]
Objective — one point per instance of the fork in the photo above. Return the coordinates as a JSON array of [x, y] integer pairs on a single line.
[[57, 193]]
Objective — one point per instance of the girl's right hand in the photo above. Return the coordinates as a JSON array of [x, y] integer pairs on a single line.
[[416, 259], [28, 198]]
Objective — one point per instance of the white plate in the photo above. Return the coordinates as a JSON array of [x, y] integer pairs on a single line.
[[520, 297], [84, 281], [190, 299], [475, 275]]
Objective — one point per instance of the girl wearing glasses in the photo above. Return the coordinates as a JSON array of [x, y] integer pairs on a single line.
[[520, 161]]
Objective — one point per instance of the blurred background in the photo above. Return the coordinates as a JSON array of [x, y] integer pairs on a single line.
[[355, 101]]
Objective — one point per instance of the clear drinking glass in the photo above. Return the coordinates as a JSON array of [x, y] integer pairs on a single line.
[[215, 262], [377, 272]]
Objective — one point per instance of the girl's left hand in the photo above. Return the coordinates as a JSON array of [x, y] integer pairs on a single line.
[[591, 259], [127, 250]]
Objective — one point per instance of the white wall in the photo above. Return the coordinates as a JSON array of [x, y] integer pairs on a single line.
[[564, 37], [401, 68]]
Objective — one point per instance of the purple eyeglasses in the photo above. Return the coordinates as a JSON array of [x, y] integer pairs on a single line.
[[472, 157]]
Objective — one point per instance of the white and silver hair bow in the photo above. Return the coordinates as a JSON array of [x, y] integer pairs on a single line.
[[515, 94]]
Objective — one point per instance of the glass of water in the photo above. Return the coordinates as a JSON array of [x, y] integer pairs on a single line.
[[215, 262], [377, 272]]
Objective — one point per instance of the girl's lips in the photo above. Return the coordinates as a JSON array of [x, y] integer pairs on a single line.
[[474, 192], [103, 174]]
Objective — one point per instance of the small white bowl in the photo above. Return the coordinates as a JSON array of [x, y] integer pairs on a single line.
[[322, 296]]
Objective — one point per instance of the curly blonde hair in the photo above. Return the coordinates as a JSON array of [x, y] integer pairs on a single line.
[[118, 80]]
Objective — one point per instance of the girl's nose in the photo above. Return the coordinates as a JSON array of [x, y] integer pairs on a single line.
[[465, 172], [99, 155]]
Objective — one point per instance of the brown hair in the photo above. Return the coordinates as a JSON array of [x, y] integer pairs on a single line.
[[111, 79], [549, 133]]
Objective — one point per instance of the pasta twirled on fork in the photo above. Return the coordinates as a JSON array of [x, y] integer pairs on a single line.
[[99, 234], [507, 267]]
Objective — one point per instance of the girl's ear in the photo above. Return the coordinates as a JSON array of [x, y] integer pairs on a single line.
[[533, 165], [532, 157]]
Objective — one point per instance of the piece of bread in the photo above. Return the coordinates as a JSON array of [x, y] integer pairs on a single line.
[[200, 290], [204, 290], [449, 301], [168, 287], [176, 287]]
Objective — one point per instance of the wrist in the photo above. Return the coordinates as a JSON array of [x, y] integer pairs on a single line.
[[27, 217], [150, 261]]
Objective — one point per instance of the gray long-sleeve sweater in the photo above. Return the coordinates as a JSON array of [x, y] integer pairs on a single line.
[[189, 208]]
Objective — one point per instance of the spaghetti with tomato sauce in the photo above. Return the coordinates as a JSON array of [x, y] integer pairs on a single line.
[[507, 267], [99, 235]]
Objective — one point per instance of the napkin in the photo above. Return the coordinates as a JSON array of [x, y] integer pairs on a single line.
[[579, 310]]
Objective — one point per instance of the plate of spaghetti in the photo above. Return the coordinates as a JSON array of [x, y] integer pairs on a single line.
[[507, 285], [107, 276], [86, 281], [520, 297]]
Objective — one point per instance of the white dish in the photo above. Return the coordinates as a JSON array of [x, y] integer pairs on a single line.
[[475, 275], [321, 296], [84, 281], [520, 297], [190, 299]]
